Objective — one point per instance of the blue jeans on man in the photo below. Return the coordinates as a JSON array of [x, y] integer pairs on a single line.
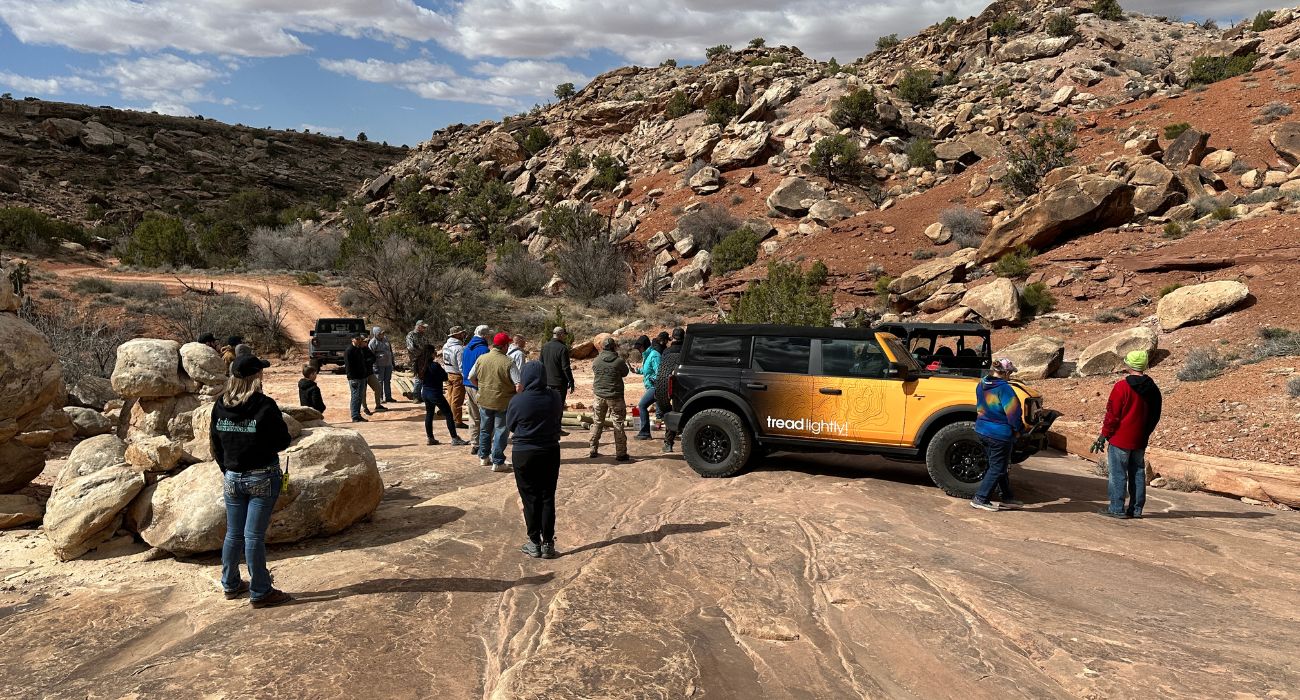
[[492, 435], [646, 402], [250, 500], [385, 375], [997, 475], [356, 394], [1128, 477]]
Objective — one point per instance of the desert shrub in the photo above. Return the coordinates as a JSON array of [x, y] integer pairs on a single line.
[[533, 140], [715, 51], [1035, 300], [1108, 9], [424, 207], [1223, 213], [1174, 230], [92, 285], [679, 105], [292, 248], [564, 91], [399, 281], [576, 160], [1045, 149], [570, 223], [708, 225], [616, 304], [484, 204], [1107, 317], [1201, 364], [695, 166], [721, 111], [1205, 205], [150, 292], [1272, 112], [1186, 482], [1212, 69], [1173, 131], [924, 254], [856, 109], [882, 285], [1061, 24], [28, 230], [1261, 21], [652, 284], [1169, 289], [1210, 24], [85, 345], [917, 87], [1004, 26], [308, 279], [1275, 342], [887, 42], [831, 68], [221, 236], [519, 272], [159, 240], [920, 153], [591, 268], [1002, 90], [1014, 264], [948, 23], [966, 225], [757, 42], [787, 296], [837, 158], [739, 249], [260, 321], [1293, 387], [668, 63], [609, 172]]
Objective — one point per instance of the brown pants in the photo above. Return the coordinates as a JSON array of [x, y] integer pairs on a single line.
[[617, 412], [373, 382], [456, 396]]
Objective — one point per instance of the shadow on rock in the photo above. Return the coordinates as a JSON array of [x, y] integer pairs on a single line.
[[649, 537], [1175, 514], [448, 584]]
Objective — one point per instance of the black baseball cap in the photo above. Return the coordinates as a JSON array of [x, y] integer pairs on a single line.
[[207, 338], [246, 366]]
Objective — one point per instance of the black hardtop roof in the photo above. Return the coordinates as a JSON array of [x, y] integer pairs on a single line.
[[362, 321], [965, 328], [731, 329]]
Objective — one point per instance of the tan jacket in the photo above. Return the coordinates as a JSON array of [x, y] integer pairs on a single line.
[[494, 374]]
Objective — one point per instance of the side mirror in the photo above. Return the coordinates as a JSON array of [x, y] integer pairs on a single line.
[[896, 371]]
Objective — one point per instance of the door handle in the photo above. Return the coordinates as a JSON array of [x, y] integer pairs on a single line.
[[829, 391], [756, 387], [918, 396]]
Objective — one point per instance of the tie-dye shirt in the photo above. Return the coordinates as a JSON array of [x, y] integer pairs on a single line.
[[999, 409]]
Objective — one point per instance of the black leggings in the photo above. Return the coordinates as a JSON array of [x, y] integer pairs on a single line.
[[536, 474], [434, 400]]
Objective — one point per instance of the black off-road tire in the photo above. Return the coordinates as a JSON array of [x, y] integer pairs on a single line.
[[717, 443], [955, 459]]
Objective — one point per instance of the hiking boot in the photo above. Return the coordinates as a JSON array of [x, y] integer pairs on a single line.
[[984, 505], [433, 442], [623, 458], [367, 411], [548, 550], [532, 550], [564, 433], [457, 442], [1011, 504], [640, 436], [1106, 512], [594, 453], [243, 588], [668, 447], [272, 599], [359, 419], [462, 426], [381, 407]]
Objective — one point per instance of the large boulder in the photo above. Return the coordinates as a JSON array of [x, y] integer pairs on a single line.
[[501, 147], [1034, 47], [700, 144], [89, 422], [90, 456], [304, 414], [19, 464], [86, 511], [184, 514], [1286, 141], [997, 302], [10, 180], [18, 510], [150, 417], [1107, 355], [706, 180], [203, 364], [199, 447], [1035, 357], [1199, 303], [155, 454], [1188, 149], [694, 275], [97, 137], [30, 379], [1156, 188], [148, 368], [923, 281], [1077, 205], [829, 211], [91, 392], [781, 92], [795, 195], [61, 130], [745, 149]]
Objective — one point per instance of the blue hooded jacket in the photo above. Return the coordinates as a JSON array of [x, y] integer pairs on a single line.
[[1000, 416], [477, 348], [533, 418]]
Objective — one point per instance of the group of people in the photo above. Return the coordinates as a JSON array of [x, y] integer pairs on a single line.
[[1132, 413]]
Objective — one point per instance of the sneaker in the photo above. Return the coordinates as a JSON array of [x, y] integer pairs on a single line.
[[368, 412], [1106, 512], [381, 407], [593, 454], [564, 433], [532, 550], [548, 550], [433, 442], [243, 588], [1135, 516], [668, 447], [502, 468], [646, 436], [984, 506], [1011, 504], [457, 442], [462, 426], [485, 462], [623, 458], [359, 419], [272, 599]]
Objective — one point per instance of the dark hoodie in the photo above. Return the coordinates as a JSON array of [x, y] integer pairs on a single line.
[[1132, 412], [533, 418], [309, 394], [248, 436], [609, 370]]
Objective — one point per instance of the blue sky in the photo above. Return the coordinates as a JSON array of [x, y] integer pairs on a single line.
[[400, 69]]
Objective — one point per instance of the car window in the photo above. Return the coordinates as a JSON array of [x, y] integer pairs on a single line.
[[339, 325], [862, 359], [715, 350], [786, 355]]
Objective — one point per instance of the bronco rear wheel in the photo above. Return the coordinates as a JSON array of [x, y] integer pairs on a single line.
[[716, 443], [955, 459]]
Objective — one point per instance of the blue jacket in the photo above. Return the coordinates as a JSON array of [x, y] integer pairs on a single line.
[[477, 348], [650, 367], [1000, 416], [533, 417]]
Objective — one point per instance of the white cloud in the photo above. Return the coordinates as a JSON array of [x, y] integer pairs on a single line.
[[38, 87], [328, 130], [169, 83], [499, 85]]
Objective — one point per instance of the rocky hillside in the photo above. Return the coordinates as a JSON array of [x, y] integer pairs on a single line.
[[97, 163]]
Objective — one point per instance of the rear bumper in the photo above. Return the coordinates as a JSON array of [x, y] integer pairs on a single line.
[[1035, 441], [324, 356]]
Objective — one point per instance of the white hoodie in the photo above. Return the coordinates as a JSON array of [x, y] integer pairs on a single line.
[[451, 352]]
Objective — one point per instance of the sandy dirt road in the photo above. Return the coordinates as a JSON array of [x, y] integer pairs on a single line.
[[303, 305], [808, 577]]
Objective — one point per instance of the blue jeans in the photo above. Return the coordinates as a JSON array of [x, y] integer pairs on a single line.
[[492, 434], [999, 456], [250, 499], [1128, 476], [356, 394], [646, 402], [385, 375]]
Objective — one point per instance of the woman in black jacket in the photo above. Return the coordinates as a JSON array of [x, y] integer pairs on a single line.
[[248, 433], [432, 376], [533, 418]]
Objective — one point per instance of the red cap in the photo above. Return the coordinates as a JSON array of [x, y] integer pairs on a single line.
[[501, 339]]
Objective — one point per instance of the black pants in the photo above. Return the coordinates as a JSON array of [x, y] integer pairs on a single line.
[[536, 474], [563, 391], [434, 400]]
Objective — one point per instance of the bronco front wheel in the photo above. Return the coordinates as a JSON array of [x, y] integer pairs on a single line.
[[956, 460], [716, 443]]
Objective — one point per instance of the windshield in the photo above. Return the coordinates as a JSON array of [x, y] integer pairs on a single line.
[[900, 353], [340, 325]]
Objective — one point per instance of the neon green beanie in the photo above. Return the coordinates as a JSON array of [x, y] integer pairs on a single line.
[[1138, 360]]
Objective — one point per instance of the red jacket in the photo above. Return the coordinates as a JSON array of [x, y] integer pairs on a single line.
[[1132, 412]]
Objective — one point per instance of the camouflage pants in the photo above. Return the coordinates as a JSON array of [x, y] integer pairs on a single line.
[[617, 412]]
